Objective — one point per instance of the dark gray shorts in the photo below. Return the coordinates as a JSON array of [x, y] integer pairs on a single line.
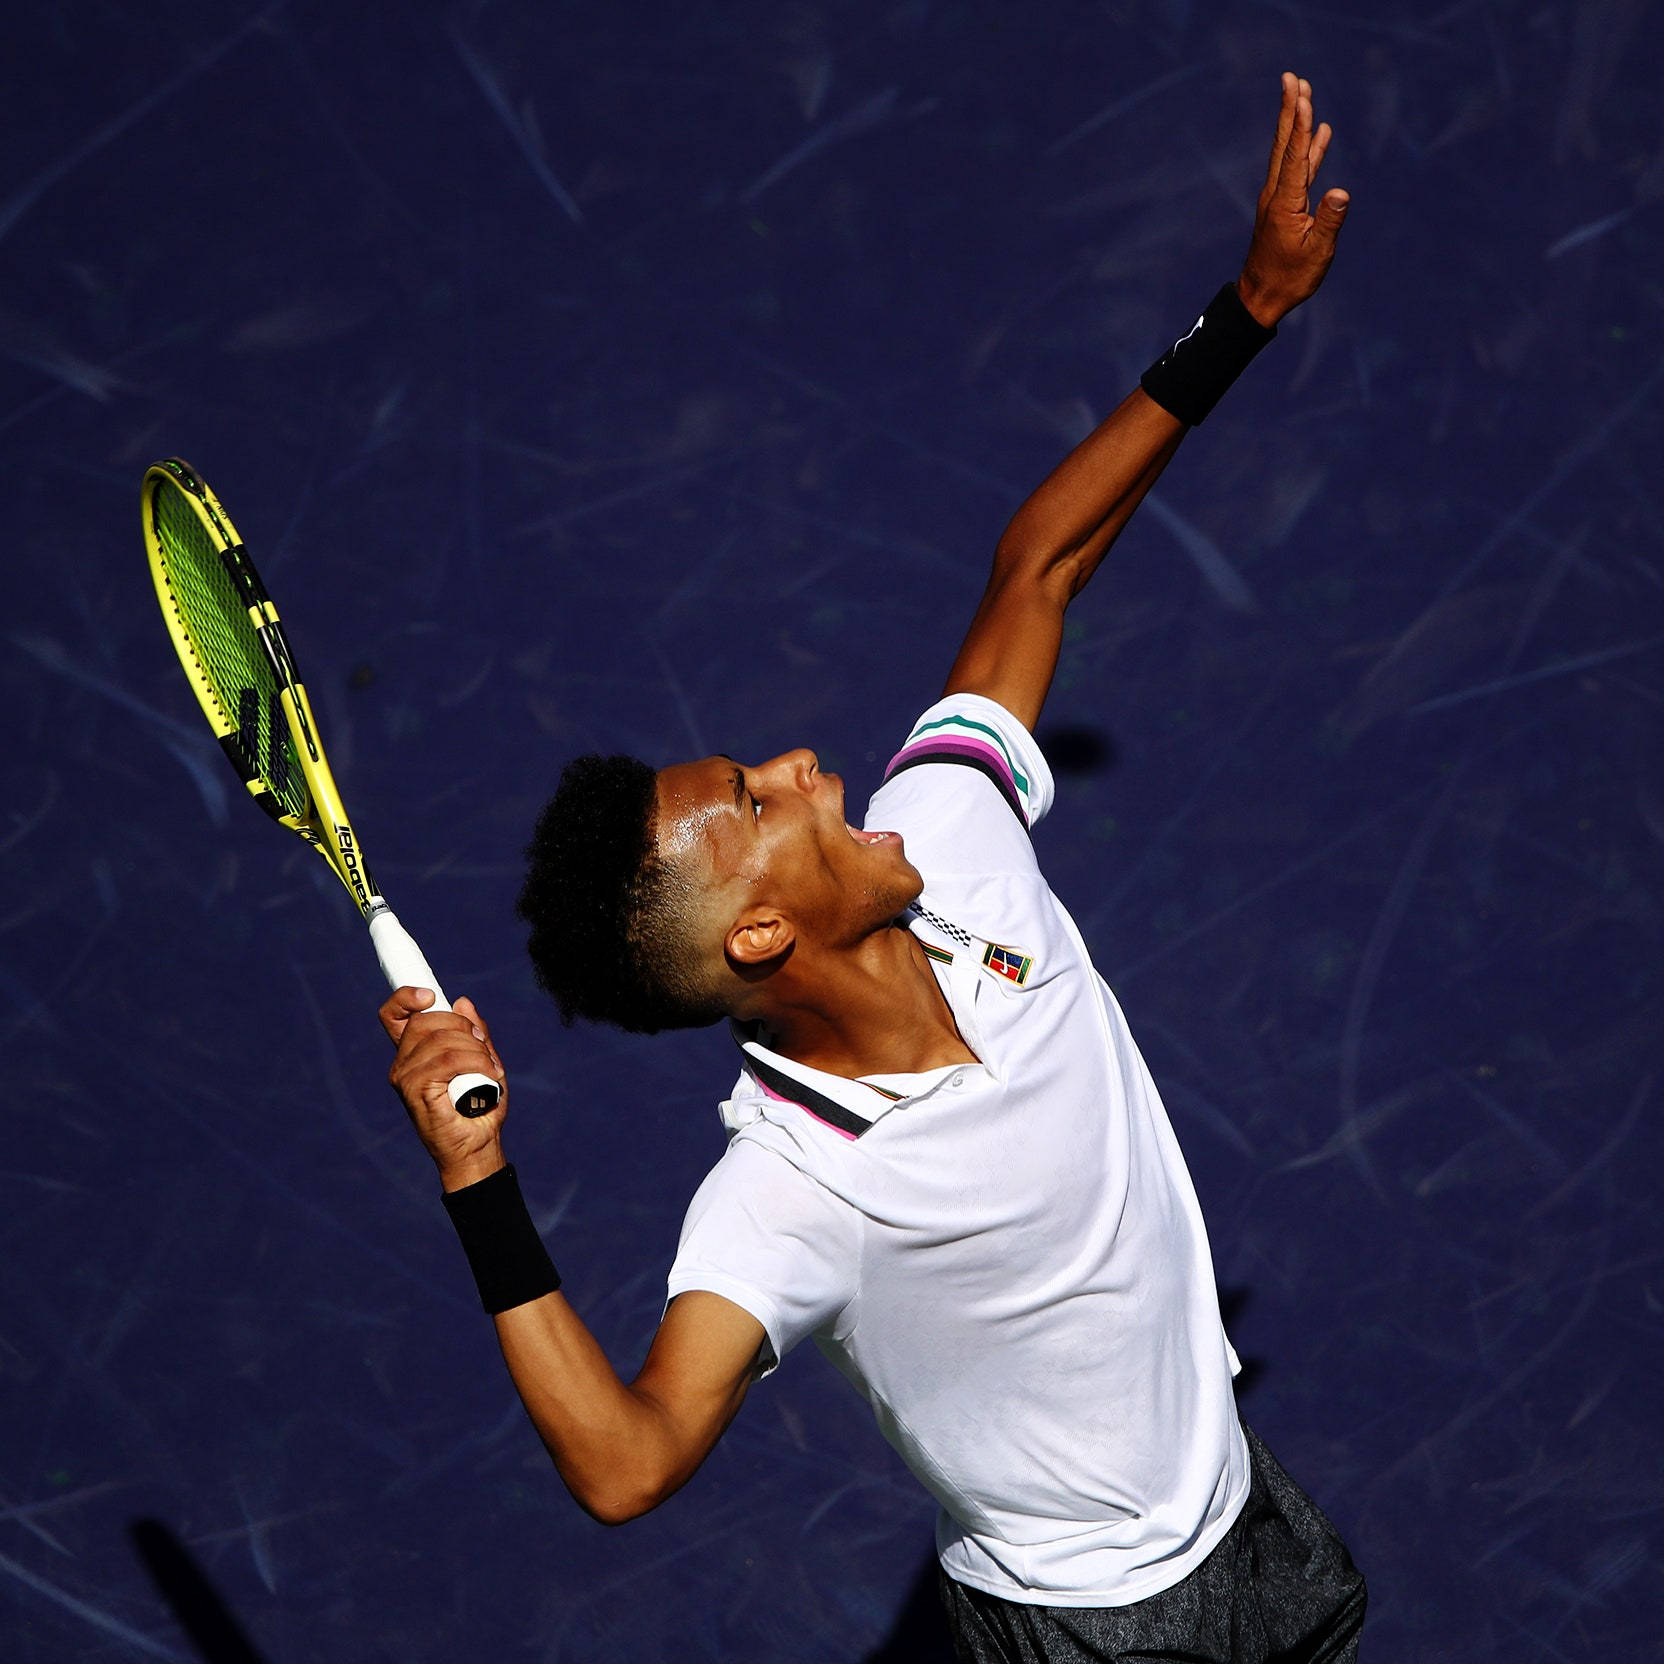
[[1279, 1588]]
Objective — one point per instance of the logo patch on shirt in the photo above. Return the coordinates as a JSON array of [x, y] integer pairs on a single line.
[[1008, 963]]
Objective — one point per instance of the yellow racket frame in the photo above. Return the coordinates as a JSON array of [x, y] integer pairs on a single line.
[[325, 825]]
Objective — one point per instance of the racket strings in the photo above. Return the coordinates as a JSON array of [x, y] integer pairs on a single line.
[[227, 648]]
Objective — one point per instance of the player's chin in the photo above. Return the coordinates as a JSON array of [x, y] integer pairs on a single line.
[[904, 882]]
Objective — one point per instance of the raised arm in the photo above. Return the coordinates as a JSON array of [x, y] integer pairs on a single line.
[[1058, 537], [621, 1448]]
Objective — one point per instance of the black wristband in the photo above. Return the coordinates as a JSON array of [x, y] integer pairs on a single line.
[[1191, 377], [505, 1253]]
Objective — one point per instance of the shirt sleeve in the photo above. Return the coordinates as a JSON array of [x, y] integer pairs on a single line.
[[963, 792], [769, 1238], [968, 731]]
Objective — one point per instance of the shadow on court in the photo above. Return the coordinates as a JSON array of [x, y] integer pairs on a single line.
[[920, 1635], [1078, 749], [195, 1603]]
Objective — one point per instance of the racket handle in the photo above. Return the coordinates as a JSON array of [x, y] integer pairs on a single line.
[[404, 966]]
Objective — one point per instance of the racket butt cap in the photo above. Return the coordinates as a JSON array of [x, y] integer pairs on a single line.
[[474, 1095]]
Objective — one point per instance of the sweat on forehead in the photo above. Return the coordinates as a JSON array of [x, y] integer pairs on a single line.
[[697, 806]]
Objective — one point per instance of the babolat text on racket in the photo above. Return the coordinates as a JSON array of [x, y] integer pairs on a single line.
[[237, 659]]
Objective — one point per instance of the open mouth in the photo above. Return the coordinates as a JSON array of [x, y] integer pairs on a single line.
[[871, 837]]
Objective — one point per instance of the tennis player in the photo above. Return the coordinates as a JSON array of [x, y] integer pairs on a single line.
[[947, 1162]]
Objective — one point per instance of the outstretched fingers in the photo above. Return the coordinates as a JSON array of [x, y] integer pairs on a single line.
[[1319, 149], [1294, 235], [1285, 125], [1293, 172]]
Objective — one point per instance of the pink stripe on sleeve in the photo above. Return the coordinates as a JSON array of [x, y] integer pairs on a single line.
[[957, 745]]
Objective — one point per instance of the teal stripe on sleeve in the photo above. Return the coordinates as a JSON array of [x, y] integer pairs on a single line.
[[981, 728]]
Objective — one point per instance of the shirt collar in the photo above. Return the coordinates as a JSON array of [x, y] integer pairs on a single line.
[[849, 1107]]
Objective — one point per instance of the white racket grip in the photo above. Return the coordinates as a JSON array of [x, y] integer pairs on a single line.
[[405, 966]]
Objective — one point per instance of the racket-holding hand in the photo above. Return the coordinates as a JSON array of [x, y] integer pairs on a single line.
[[434, 1047]]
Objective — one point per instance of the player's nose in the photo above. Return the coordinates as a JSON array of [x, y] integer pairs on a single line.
[[794, 768]]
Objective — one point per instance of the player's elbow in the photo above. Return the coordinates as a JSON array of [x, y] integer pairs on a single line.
[[621, 1492], [617, 1507], [633, 1466], [1042, 571]]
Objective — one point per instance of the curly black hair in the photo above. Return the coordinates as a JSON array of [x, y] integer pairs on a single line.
[[610, 921]]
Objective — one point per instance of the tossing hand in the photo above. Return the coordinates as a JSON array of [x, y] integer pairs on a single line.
[[1291, 247]]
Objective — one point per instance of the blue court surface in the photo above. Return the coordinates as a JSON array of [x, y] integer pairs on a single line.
[[659, 379]]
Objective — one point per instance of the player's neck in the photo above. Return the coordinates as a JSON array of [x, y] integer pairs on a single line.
[[875, 1009]]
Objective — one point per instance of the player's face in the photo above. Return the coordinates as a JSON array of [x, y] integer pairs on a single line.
[[774, 834]]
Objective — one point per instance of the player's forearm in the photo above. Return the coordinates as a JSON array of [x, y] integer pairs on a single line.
[[1067, 525], [1054, 543], [611, 1445], [615, 1450]]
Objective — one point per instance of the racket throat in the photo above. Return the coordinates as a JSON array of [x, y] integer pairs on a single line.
[[356, 871]]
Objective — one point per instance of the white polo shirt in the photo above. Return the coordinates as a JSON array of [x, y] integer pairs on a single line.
[[1007, 1259]]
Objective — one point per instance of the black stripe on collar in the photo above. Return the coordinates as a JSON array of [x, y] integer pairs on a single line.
[[806, 1097]]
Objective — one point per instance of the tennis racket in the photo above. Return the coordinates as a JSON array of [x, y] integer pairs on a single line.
[[237, 660]]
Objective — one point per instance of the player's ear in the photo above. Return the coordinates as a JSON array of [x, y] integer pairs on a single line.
[[758, 937]]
